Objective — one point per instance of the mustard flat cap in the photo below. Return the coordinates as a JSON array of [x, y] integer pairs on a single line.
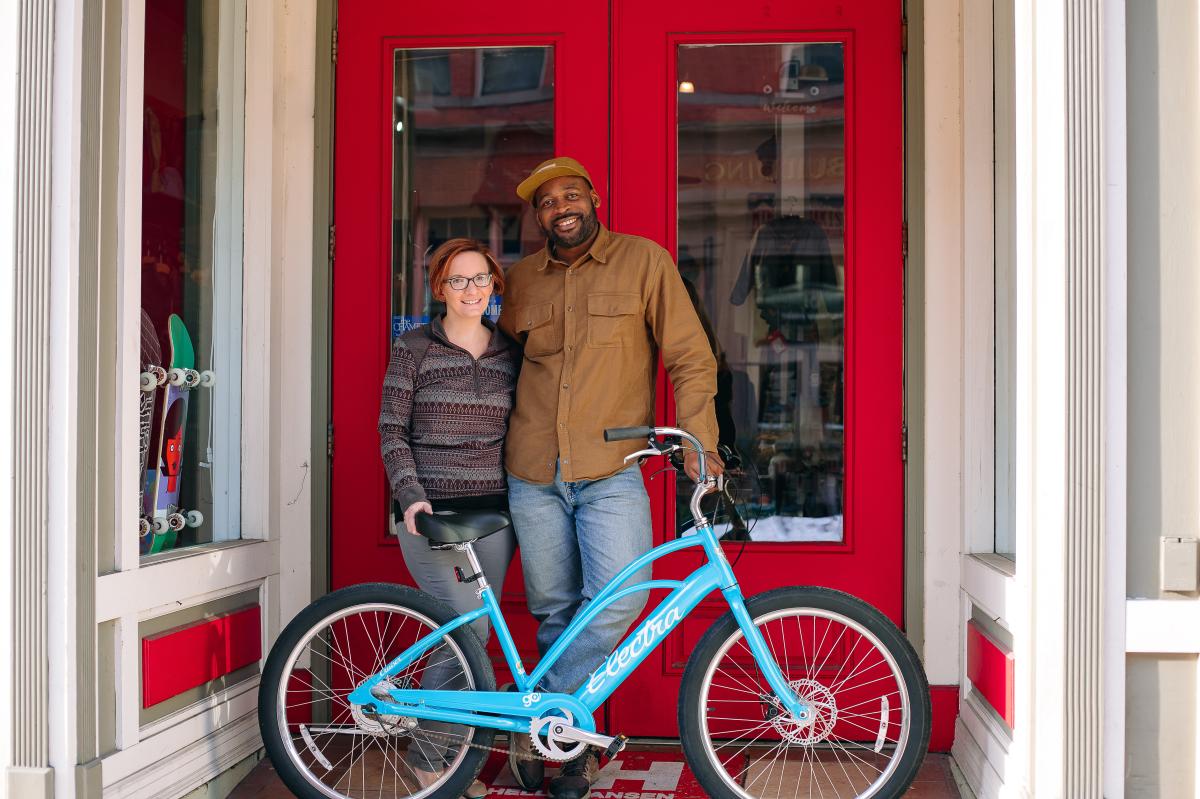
[[549, 170]]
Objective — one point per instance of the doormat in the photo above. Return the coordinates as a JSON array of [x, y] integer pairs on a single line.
[[645, 774]]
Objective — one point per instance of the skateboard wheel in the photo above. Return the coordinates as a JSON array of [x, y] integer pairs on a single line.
[[160, 525], [143, 526], [191, 378], [176, 522], [194, 518], [177, 377], [148, 382], [208, 378]]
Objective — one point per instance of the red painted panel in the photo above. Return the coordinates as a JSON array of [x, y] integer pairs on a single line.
[[991, 671], [369, 33], [187, 657], [299, 699], [944, 699], [869, 563]]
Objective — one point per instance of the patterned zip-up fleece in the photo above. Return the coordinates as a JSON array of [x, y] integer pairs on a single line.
[[442, 429]]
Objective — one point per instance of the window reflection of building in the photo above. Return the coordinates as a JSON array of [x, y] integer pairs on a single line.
[[469, 124], [761, 221]]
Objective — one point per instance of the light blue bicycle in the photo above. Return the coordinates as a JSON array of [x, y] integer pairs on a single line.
[[797, 692]]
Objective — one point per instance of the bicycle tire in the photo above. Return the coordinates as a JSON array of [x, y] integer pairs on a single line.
[[873, 749], [290, 693]]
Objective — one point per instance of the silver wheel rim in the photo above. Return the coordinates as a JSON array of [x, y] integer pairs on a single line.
[[402, 772], [835, 766]]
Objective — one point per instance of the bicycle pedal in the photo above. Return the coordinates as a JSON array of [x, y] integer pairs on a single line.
[[617, 745]]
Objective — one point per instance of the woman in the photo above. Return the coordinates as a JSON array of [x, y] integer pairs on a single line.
[[446, 399]]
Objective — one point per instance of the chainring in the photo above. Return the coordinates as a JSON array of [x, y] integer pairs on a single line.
[[553, 747]]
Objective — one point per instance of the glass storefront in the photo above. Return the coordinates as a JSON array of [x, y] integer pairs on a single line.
[[761, 222], [190, 278], [468, 125]]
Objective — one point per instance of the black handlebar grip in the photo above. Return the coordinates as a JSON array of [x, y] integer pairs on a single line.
[[626, 433]]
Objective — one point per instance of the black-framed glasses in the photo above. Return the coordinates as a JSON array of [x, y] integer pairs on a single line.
[[459, 283]]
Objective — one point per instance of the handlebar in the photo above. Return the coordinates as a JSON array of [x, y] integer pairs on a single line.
[[704, 483], [655, 448], [627, 433]]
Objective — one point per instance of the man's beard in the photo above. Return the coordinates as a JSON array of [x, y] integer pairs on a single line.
[[588, 224]]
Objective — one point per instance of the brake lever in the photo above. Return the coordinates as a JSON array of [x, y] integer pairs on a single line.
[[650, 452], [642, 453]]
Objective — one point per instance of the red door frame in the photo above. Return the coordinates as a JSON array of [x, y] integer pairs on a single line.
[[368, 35], [641, 134], [870, 561]]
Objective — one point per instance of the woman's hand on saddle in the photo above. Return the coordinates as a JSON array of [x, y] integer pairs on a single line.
[[410, 515]]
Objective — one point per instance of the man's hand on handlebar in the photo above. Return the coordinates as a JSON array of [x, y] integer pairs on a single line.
[[691, 464]]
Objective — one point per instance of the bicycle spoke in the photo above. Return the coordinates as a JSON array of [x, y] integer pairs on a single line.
[[850, 684]]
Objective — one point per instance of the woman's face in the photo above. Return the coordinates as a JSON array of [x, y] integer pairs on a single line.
[[471, 302]]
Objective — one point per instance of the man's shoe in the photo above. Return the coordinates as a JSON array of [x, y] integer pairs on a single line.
[[526, 764], [575, 779]]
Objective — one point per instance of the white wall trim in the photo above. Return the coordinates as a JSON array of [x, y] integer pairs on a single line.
[[187, 755], [943, 202], [981, 747], [292, 319], [978, 282], [64, 418], [189, 580], [994, 591], [1116, 398], [1162, 626]]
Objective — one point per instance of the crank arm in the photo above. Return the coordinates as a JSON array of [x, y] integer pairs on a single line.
[[569, 733]]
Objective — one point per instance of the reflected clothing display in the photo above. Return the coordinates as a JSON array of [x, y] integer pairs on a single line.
[[788, 261], [591, 333]]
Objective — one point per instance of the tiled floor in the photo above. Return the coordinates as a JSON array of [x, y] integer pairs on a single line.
[[934, 781]]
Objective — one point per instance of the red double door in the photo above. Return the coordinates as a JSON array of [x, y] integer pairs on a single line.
[[760, 143]]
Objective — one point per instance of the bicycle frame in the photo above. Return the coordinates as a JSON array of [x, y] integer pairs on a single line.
[[512, 711]]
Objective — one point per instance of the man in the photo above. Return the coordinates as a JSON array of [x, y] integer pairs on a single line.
[[593, 310]]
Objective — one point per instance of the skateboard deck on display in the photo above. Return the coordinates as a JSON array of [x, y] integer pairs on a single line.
[[163, 517], [153, 376]]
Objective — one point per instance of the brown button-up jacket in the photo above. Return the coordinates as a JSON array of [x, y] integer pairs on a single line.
[[592, 332]]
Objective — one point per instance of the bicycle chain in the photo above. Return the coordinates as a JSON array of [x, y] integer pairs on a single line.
[[457, 739]]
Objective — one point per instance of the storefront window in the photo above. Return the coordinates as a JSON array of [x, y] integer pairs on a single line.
[[761, 221], [1004, 106], [189, 445], [468, 125]]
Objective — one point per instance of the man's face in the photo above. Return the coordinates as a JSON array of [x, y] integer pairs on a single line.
[[566, 210]]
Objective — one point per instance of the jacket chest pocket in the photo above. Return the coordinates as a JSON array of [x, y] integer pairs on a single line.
[[542, 335], [613, 319]]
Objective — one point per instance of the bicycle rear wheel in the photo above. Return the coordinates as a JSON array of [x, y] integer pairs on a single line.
[[869, 695], [323, 747]]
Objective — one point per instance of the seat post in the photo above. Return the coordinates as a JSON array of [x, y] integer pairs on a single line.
[[473, 559]]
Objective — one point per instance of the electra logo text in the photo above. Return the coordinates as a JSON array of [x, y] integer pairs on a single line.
[[646, 638], [529, 700]]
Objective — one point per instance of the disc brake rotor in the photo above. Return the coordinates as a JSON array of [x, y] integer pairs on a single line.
[[555, 746], [823, 709]]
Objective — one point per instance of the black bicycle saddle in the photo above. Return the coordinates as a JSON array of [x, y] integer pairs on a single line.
[[461, 526]]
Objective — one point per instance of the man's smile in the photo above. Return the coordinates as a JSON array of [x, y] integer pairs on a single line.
[[567, 223]]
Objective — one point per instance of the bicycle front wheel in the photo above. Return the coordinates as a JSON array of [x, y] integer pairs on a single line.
[[322, 746], [869, 728]]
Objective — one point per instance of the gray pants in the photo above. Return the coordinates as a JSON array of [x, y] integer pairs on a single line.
[[433, 569]]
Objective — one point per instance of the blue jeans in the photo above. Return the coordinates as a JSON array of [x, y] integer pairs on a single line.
[[574, 538]]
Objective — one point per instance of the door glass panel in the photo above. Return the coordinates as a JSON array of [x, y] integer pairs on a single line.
[[761, 221], [468, 125]]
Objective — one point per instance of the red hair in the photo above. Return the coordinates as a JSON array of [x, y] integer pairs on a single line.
[[439, 263]]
